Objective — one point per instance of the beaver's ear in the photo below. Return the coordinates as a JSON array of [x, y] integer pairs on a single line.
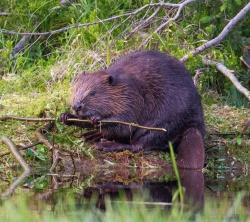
[[110, 80]]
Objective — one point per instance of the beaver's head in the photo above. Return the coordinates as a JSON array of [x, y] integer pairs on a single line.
[[101, 95]]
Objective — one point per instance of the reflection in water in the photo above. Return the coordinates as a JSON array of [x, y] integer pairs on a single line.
[[15, 184], [149, 191], [157, 193]]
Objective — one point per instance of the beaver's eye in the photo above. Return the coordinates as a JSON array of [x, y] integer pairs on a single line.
[[92, 93]]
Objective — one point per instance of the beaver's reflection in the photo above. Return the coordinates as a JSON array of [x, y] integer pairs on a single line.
[[157, 193]]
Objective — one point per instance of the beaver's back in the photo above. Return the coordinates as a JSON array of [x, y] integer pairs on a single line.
[[159, 74], [151, 65], [168, 89]]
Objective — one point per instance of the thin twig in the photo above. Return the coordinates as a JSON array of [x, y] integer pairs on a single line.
[[21, 148], [61, 175], [229, 74], [27, 119], [57, 156], [231, 24], [42, 139], [164, 24], [182, 5], [55, 160], [198, 73], [30, 119], [143, 23], [121, 122], [16, 153], [80, 25]]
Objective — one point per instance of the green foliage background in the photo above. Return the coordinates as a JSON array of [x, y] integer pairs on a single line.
[[30, 70]]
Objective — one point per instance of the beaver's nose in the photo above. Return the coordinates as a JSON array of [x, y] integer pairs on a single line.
[[78, 106]]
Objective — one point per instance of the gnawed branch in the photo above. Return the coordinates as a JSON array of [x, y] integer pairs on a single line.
[[221, 36], [30, 119], [230, 75], [122, 123]]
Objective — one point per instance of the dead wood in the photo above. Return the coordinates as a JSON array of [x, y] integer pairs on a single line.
[[230, 75], [215, 41]]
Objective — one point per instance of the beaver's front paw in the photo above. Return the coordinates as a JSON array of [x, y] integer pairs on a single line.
[[95, 120], [64, 118]]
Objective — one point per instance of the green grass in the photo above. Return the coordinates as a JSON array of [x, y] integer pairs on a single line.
[[180, 190], [78, 49], [19, 210]]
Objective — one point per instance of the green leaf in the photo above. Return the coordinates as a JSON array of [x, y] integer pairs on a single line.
[[238, 2], [238, 140], [223, 7], [41, 183], [32, 153], [206, 19]]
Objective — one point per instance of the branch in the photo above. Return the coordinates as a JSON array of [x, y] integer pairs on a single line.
[[164, 24], [197, 75], [144, 23], [15, 184], [42, 139], [29, 119], [229, 74], [16, 153], [122, 123], [80, 25], [221, 36], [20, 45]]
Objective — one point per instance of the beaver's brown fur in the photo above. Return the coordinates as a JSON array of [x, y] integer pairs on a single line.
[[149, 88]]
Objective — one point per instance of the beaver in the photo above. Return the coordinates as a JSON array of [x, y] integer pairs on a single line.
[[149, 88]]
